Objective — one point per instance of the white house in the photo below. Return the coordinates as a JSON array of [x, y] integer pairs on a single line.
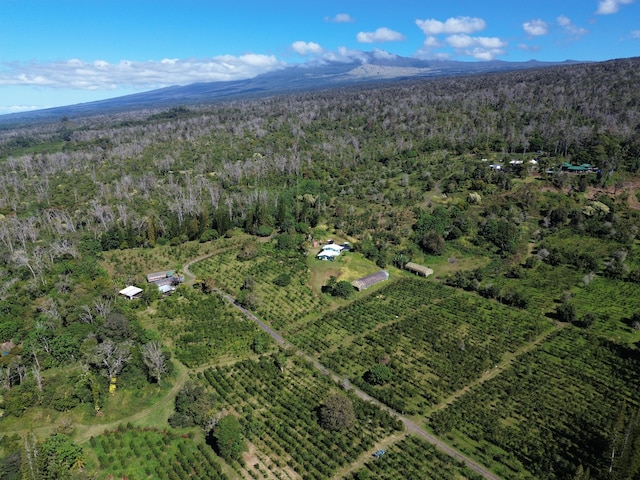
[[328, 254], [334, 247]]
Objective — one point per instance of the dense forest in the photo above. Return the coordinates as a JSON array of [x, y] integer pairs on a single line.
[[519, 189]]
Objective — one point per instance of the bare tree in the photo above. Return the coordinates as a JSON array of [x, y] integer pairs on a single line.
[[37, 372], [103, 306], [21, 259], [32, 452], [87, 315], [154, 359], [113, 356]]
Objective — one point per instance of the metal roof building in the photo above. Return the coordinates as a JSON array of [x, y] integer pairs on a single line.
[[366, 282]]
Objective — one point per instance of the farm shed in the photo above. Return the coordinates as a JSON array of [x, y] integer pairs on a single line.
[[156, 276], [166, 289], [365, 282], [130, 292], [166, 279], [418, 269]]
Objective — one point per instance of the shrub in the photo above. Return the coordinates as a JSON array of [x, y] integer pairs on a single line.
[[282, 280], [208, 235]]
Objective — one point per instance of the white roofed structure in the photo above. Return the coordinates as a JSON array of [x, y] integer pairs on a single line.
[[130, 292]]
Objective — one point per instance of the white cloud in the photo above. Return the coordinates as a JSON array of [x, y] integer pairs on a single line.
[[383, 54], [528, 48], [451, 25], [635, 34], [382, 34], [607, 7], [305, 48], [480, 48], [344, 54], [535, 27], [101, 75], [432, 42], [570, 27], [18, 108], [340, 18]]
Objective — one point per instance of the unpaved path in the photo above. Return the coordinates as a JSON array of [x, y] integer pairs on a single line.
[[505, 363], [409, 424]]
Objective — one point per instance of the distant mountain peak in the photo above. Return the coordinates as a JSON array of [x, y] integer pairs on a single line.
[[365, 67]]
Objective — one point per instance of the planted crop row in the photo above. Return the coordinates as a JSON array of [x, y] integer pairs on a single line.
[[414, 458], [149, 453], [552, 411], [279, 305], [204, 327], [279, 414], [434, 339], [612, 302]]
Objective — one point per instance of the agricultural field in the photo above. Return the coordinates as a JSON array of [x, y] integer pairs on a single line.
[[280, 300], [131, 265], [552, 412], [203, 328], [412, 457], [612, 303], [130, 452], [433, 339], [278, 406]]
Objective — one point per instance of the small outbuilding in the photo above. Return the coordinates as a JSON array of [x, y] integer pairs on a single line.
[[165, 281], [370, 280], [157, 276], [418, 269], [131, 292]]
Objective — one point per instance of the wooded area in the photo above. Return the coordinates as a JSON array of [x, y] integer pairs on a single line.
[[536, 267]]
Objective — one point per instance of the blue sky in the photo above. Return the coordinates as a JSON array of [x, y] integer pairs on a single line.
[[62, 52]]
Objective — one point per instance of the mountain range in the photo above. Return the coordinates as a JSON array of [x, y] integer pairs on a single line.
[[370, 68]]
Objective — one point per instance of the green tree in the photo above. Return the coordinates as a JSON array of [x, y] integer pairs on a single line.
[[566, 312], [503, 233], [228, 438], [193, 406], [432, 242], [379, 374], [342, 289], [337, 413], [61, 456]]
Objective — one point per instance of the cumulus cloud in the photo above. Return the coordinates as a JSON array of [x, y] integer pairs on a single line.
[[570, 27], [451, 25], [635, 34], [102, 75], [383, 54], [535, 27], [382, 34], [480, 48], [340, 18], [458, 30], [344, 54], [305, 48], [607, 7]]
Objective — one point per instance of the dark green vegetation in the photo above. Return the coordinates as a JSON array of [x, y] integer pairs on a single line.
[[554, 411], [521, 350], [413, 458], [130, 452], [294, 418]]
